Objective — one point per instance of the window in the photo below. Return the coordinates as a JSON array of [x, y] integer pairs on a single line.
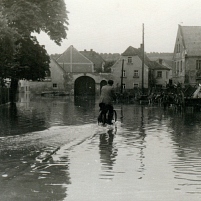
[[181, 68], [198, 64], [177, 68], [177, 48], [136, 73], [135, 85], [124, 73], [124, 86], [159, 74], [54, 85], [130, 60]]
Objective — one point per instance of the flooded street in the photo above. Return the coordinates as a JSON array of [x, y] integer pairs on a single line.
[[53, 149]]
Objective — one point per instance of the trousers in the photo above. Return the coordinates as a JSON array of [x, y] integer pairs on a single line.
[[106, 108]]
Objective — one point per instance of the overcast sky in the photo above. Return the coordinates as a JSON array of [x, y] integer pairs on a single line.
[[110, 26]]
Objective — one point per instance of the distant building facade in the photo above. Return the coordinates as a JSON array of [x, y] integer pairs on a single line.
[[159, 74], [72, 61], [74, 73], [96, 59], [187, 56], [132, 70]]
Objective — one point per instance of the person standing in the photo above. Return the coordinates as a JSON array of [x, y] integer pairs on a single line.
[[106, 101]]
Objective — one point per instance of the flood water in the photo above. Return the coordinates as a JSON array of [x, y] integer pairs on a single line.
[[53, 149]]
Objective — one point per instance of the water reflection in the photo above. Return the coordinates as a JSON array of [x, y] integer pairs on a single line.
[[85, 101], [108, 153], [186, 135], [15, 121], [24, 179], [142, 146], [39, 113], [153, 153]]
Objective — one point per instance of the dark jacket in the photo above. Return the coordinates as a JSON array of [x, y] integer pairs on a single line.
[[107, 94]]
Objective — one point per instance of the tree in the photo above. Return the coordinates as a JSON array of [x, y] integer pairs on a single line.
[[21, 56], [28, 16], [32, 60], [108, 65]]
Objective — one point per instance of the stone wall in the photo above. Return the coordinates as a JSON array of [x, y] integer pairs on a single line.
[[38, 87]]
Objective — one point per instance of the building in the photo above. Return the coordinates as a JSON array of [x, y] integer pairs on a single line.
[[71, 73], [159, 74], [72, 61], [130, 66], [167, 63], [187, 56], [96, 59]]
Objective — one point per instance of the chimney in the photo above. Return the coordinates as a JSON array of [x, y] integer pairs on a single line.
[[91, 50], [160, 61], [85, 50]]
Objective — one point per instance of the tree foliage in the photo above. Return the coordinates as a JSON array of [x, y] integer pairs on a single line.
[[21, 56], [108, 65], [28, 16], [32, 61]]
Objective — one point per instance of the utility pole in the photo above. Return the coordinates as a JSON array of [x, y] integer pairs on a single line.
[[143, 59], [122, 69]]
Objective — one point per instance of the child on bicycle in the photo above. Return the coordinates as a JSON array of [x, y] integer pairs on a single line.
[[106, 101]]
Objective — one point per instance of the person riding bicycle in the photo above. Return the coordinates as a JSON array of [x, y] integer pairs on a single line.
[[106, 101]]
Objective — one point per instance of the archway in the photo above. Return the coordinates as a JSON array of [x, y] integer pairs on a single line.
[[84, 86]]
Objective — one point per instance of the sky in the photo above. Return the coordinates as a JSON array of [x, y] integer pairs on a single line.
[[111, 26]]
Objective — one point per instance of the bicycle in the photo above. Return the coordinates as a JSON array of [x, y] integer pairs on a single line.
[[103, 117]]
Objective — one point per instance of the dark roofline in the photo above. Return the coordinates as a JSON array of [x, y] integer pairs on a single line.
[[154, 65]]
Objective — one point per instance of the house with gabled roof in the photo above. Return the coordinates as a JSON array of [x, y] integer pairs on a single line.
[[156, 74], [72, 61], [187, 56], [73, 73], [54, 82], [132, 69], [97, 60], [159, 74]]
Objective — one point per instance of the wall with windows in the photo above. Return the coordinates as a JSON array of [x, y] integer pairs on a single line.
[[162, 77], [55, 83], [57, 76], [178, 69], [132, 72], [193, 69]]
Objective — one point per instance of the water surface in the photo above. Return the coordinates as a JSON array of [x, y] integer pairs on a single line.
[[53, 149]]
